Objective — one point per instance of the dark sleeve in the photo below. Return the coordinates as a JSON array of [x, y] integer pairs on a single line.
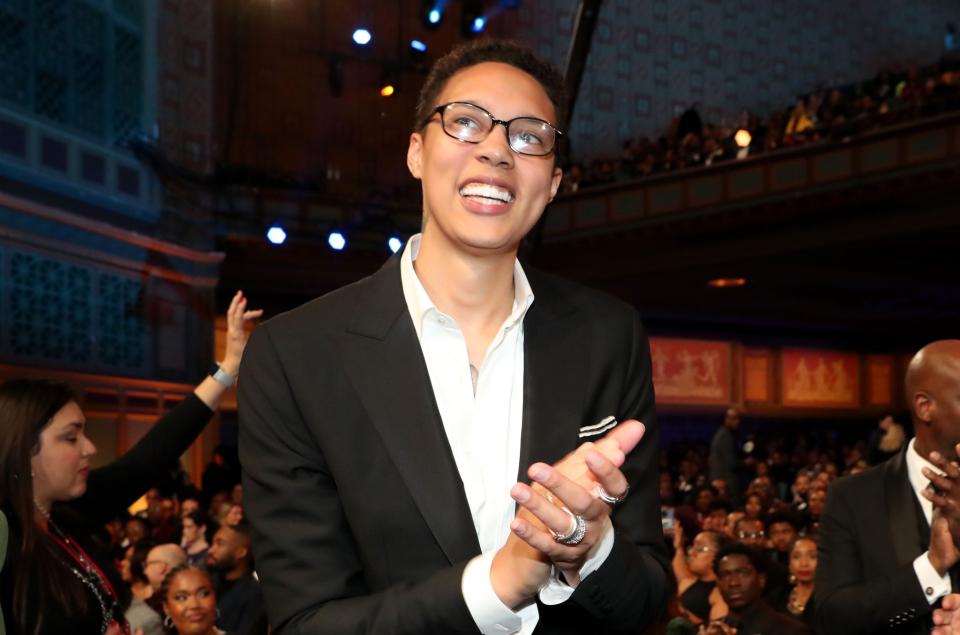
[[629, 590], [114, 487], [311, 575], [847, 604]]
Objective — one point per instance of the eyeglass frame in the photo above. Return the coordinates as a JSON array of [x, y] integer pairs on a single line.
[[494, 123]]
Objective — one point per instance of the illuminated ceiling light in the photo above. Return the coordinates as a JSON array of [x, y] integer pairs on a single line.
[[337, 241], [418, 45], [276, 235], [742, 138], [362, 37], [394, 244], [431, 13], [472, 20], [387, 90], [434, 16], [478, 24], [723, 283]]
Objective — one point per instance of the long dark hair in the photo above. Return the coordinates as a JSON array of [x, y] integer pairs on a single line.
[[26, 407]]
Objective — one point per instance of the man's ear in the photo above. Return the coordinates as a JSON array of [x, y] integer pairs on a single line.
[[924, 406], [555, 182], [415, 155]]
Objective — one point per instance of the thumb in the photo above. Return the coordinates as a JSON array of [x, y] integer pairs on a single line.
[[627, 435]]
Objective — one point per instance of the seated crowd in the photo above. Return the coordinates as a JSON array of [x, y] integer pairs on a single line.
[[747, 556], [826, 114]]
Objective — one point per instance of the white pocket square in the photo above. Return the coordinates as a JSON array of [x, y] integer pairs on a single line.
[[600, 427]]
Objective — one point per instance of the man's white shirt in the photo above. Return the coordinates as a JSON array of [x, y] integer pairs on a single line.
[[934, 585]]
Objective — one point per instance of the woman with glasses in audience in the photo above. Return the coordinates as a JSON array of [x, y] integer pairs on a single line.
[[55, 579], [696, 581]]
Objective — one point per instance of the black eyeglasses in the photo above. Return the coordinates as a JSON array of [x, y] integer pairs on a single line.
[[471, 123]]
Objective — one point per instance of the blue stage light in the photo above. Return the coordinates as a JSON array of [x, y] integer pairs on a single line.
[[394, 244], [434, 16], [336, 241], [417, 45], [362, 37], [276, 235], [478, 24]]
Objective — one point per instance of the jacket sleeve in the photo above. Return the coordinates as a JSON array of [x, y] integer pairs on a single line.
[[629, 590], [311, 574], [846, 603], [114, 487]]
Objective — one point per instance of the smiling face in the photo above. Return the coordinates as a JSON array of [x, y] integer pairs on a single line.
[[482, 198], [191, 602], [62, 463]]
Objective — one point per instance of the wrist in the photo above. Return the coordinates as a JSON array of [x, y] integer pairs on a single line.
[[938, 564], [223, 374]]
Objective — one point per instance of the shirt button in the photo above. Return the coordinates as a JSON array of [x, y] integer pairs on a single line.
[[442, 320], [929, 590]]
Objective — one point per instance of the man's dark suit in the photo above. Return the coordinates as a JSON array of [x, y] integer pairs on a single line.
[[360, 522], [871, 530]]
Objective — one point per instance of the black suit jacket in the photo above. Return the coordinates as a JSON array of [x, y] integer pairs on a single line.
[[359, 518], [871, 531]]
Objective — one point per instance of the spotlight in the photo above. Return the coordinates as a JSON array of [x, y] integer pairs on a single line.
[[276, 235], [742, 138], [389, 80], [394, 244], [431, 13], [336, 241], [418, 46], [472, 20], [362, 37]]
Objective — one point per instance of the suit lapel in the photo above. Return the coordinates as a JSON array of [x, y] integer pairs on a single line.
[[553, 381], [390, 375], [904, 517]]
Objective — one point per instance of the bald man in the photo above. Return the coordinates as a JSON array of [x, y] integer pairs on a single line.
[[886, 550], [160, 560]]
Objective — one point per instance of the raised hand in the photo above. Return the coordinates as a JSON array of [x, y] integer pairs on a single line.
[[237, 317]]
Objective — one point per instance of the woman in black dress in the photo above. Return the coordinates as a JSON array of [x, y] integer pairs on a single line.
[[55, 579]]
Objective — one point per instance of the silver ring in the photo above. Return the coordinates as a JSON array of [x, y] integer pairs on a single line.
[[607, 498], [574, 535]]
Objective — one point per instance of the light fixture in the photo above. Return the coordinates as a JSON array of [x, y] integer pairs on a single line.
[[362, 37], [389, 80], [387, 90], [336, 240], [431, 13], [472, 20], [276, 235], [724, 283], [418, 45], [742, 138], [394, 244]]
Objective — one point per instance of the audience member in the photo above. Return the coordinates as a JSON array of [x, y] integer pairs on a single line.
[[803, 566], [160, 561], [194, 540], [741, 577], [696, 580], [240, 601], [189, 602], [724, 455]]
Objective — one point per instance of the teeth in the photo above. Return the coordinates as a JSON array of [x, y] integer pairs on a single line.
[[485, 190]]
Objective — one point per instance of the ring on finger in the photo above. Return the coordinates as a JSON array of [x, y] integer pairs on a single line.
[[602, 494], [576, 532]]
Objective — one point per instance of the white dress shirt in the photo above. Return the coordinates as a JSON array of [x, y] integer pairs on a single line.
[[482, 413], [934, 585]]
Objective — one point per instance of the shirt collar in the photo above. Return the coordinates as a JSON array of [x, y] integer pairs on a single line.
[[420, 305], [915, 465]]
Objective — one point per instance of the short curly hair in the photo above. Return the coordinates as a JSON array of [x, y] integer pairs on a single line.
[[487, 50]]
